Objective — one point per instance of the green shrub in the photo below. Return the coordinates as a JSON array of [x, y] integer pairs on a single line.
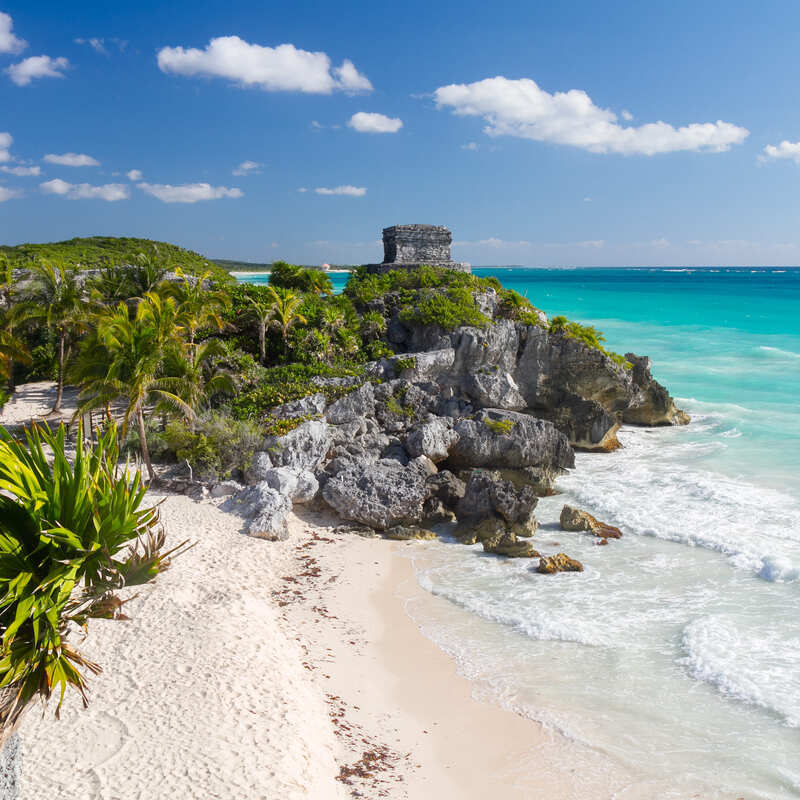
[[514, 306], [587, 334], [280, 427], [71, 535], [447, 310], [405, 363], [301, 279], [502, 427], [291, 382]]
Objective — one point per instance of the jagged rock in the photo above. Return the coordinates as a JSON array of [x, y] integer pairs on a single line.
[[270, 520], [357, 404], [560, 562], [477, 529], [381, 494], [265, 508], [310, 406], [407, 532], [259, 466], [446, 487], [226, 488], [428, 365], [586, 424], [653, 404], [299, 487], [435, 511], [494, 348], [507, 545], [524, 442], [432, 439], [486, 495], [493, 388], [424, 465], [303, 448], [572, 519]]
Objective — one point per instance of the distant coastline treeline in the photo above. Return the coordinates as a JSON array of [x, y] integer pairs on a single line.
[[250, 266]]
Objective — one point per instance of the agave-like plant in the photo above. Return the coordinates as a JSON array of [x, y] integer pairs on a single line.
[[71, 535]]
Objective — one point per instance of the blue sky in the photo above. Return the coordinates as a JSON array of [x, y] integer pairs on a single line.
[[527, 128]]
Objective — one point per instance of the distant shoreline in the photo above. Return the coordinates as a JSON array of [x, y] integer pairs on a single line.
[[268, 272]]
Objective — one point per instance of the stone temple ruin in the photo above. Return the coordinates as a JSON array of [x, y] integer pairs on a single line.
[[411, 246]]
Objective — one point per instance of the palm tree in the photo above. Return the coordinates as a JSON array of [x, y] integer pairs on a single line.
[[136, 350], [261, 312], [197, 381], [317, 282], [284, 311], [199, 307], [56, 299]]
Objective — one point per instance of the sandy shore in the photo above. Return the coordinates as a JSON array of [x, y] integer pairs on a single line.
[[289, 670]]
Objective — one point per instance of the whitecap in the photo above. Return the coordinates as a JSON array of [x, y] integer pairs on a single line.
[[778, 352]]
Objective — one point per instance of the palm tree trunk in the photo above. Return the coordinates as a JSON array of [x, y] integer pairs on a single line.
[[262, 343], [60, 387], [143, 443]]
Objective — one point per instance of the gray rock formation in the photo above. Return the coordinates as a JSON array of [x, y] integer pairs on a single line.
[[311, 406], [303, 448], [381, 494], [486, 494], [299, 487], [259, 466], [265, 508], [433, 439], [353, 406], [523, 441]]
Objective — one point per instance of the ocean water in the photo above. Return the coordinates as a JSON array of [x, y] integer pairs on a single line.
[[675, 655]]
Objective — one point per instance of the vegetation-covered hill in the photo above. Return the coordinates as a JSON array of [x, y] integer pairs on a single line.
[[101, 251]]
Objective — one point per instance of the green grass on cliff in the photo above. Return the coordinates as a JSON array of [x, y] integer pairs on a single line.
[[103, 251]]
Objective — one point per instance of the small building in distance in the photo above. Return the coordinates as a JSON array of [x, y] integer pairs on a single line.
[[412, 246]]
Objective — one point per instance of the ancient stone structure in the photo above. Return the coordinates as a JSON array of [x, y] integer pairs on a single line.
[[411, 246]]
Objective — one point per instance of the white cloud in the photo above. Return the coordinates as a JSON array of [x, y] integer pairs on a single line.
[[37, 67], [8, 42], [22, 171], [110, 192], [8, 194], [248, 168], [366, 122], [316, 126], [188, 192], [470, 146], [520, 108], [99, 45], [5, 145], [626, 115], [349, 191], [785, 149], [134, 174], [71, 160], [276, 69], [302, 189]]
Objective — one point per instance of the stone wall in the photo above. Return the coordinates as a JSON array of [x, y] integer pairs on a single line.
[[426, 244]]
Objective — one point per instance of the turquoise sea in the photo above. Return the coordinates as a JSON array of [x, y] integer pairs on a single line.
[[675, 655]]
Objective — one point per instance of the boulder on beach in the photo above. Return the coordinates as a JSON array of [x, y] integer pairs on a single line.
[[560, 562], [573, 519]]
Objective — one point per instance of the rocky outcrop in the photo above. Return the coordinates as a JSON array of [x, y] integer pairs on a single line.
[[507, 439], [508, 545], [303, 448], [586, 424], [433, 439], [311, 406], [265, 508], [403, 533], [487, 495], [572, 519], [260, 464], [299, 487], [353, 406], [381, 494], [653, 404], [560, 562]]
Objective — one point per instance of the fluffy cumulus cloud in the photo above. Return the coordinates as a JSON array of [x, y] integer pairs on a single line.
[[134, 174], [785, 149], [521, 108], [111, 192], [8, 194], [8, 42], [188, 192], [284, 68], [21, 171], [366, 122], [248, 168], [37, 67], [71, 160], [347, 191]]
